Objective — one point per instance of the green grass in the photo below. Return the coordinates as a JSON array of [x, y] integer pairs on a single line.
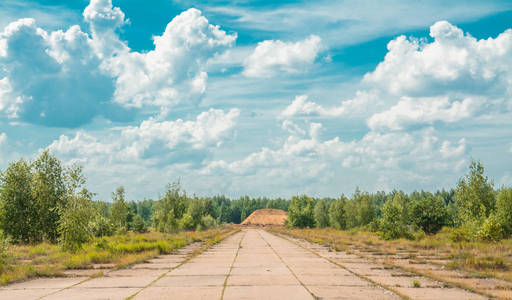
[[45, 259]]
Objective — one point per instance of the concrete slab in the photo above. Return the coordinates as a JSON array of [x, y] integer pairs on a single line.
[[266, 292], [197, 293], [77, 293], [14, 294], [191, 281]]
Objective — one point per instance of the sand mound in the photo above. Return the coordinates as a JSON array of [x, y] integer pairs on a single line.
[[266, 217]]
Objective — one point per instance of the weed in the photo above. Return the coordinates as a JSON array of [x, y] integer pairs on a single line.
[[416, 284]]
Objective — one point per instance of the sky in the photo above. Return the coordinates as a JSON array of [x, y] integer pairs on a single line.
[[259, 98]]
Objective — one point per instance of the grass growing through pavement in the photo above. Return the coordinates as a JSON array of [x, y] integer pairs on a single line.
[[45, 259], [487, 259]]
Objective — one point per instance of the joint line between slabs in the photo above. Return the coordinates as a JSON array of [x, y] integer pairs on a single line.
[[287, 266], [231, 267]]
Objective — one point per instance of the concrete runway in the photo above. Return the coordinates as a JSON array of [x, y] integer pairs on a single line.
[[251, 264]]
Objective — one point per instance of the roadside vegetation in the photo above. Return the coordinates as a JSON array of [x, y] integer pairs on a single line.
[[50, 221]]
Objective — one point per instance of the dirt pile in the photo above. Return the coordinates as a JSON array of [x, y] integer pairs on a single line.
[[266, 217]]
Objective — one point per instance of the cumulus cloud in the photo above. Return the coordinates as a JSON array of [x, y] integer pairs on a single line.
[[410, 112], [52, 78], [307, 157], [65, 78], [301, 106], [174, 72], [273, 57], [452, 62], [166, 141]]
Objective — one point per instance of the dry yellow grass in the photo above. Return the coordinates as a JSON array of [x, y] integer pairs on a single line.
[[465, 264]]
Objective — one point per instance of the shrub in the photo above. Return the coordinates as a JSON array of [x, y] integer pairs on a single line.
[[102, 226], [392, 225], [475, 196], [429, 213], [321, 214], [504, 209], [208, 222], [186, 222], [337, 216], [138, 224], [300, 212], [491, 229]]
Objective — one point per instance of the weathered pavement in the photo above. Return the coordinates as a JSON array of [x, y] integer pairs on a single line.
[[252, 264]]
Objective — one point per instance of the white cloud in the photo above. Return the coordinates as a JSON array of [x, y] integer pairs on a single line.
[[453, 62], [410, 112], [415, 156], [65, 78], [174, 72], [301, 106], [272, 57], [50, 78], [172, 141]]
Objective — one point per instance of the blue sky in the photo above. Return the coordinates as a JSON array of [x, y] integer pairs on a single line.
[[259, 97]]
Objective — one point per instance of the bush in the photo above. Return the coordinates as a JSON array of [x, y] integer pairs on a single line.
[[138, 224], [337, 216], [491, 229], [102, 226], [392, 225], [475, 195], [429, 213], [504, 209], [300, 212], [208, 222], [186, 222], [321, 214]]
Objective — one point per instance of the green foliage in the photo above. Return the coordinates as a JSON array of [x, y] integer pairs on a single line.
[[491, 229], [208, 222], [321, 214], [429, 213], [187, 222], [49, 191], [475, 196], [76, 216], [392, 224], [337, 216], [138, 224], [102, 226], [18, 213], [170, 208], [360, 210], [119, 210], [301, 212], [504, 209]]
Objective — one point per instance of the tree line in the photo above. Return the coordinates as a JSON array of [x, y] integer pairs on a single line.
[[474, 209], [45, 200]]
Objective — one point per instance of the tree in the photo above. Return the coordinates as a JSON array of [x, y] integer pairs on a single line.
[[391, 223], [76, 216], [170, 208], [18, 208], [321, 214], [300, 212], [138, 224], [429, 213], [119, 210], [337, 217], [49, 191], [504, 209], [475, 195]]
